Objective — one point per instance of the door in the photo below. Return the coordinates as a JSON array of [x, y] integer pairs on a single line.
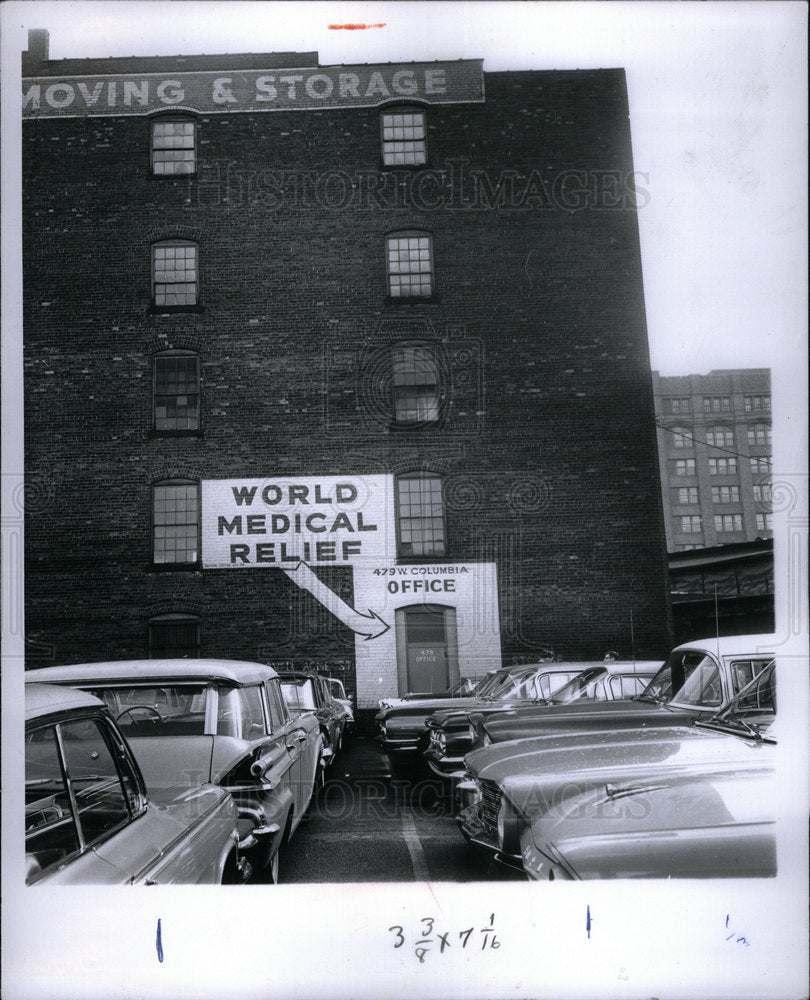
[[427, 655]]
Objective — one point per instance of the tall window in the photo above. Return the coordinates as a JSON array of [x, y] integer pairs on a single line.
[[760, 463], [759, 434], [764, 522], [728, 522], [717, 404], [762, 493], [173, 636], [685, 467], [174, 146], [175, 522], [753, 403], [404, 137], [679, 404], [681, 437], [691, 525], [176, 391], [415, 384], [175, 273], [685, 494], [410, 265], [720, 437], [420, 515]]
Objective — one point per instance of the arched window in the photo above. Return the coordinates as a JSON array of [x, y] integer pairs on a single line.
[[682, 437], [409, 261], [174, 635], [175, 522], [759, 434], [174, 145], [176, 391], [415, 383], [175, 278], [404, 136], [420, 514], [720, 436]]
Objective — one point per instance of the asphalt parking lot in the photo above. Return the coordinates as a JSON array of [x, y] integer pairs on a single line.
[[369, 824]]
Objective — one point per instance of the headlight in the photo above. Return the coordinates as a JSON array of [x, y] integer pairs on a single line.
[[508, 828], [468, 792]]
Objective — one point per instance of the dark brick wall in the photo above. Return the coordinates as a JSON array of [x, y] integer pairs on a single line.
[[547, 438]]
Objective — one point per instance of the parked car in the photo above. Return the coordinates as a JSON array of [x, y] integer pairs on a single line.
[[309, 693], [403, 728], [338, 692], [696, 680], [190, 722], [89, 817], [452, 732], [704, 784], [461, 689]]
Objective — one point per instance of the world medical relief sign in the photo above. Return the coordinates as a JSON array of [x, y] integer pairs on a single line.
[[303, 89], [319, 520]]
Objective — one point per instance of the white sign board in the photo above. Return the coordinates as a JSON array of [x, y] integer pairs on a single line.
[[279, 522]]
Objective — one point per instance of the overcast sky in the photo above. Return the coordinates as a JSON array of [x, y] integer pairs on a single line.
[[717, 100]]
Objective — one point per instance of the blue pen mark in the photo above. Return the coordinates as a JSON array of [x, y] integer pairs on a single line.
[[588, 922], [159, 942]]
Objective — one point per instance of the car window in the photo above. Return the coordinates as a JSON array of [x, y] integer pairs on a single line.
[[625, 686], [689, 677], [252, 721], [51, 834], [761, 697], [156, 710], [278, 708], [336, 688], [299, 694], [743, 671]]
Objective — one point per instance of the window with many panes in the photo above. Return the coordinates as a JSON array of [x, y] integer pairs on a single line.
[[404, 137], [719, 436], [728, 522], [175, 636], [681, 437], [420, 515], [409, 265], [753, 403], [716, 404], [176, 391], [762, 492], [764, 522], [679, 404], [725, 494], [685, 494], [760, 463], [722, 466], [174, 146], [759, 434], [175, 522], [175, 280], [691, 524], [685, 467], [415, 384]]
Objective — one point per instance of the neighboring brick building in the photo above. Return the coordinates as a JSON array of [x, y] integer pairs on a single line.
[[387, 320], [714, 447]]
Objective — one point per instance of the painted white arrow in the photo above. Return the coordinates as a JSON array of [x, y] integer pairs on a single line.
[[371, 625]]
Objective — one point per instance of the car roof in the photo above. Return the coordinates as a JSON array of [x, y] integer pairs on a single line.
[[44, 699], [760, 643], [231, 672]]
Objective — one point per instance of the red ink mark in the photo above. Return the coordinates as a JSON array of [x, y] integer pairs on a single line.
[[354, 27]]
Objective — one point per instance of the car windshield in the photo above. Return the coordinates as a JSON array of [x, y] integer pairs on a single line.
[[488, 683], [584, 685], [156, 709], [689, 677], [752, 710]]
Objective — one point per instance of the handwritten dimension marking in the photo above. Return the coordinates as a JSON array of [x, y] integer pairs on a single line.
[[354, 27], [159, 942], [588, 921]]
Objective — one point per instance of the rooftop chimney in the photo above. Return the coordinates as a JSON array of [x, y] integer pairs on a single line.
[[36, 56]]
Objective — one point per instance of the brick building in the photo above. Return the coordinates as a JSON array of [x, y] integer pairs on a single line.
[[372, 335], [714, 445]]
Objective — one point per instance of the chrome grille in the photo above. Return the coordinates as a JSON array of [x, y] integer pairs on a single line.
[[489, 806]]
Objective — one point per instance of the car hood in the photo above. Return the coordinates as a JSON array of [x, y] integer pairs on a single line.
[[685, 825], [534, 773], [457, 717], [428, 706], [584, 715]]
